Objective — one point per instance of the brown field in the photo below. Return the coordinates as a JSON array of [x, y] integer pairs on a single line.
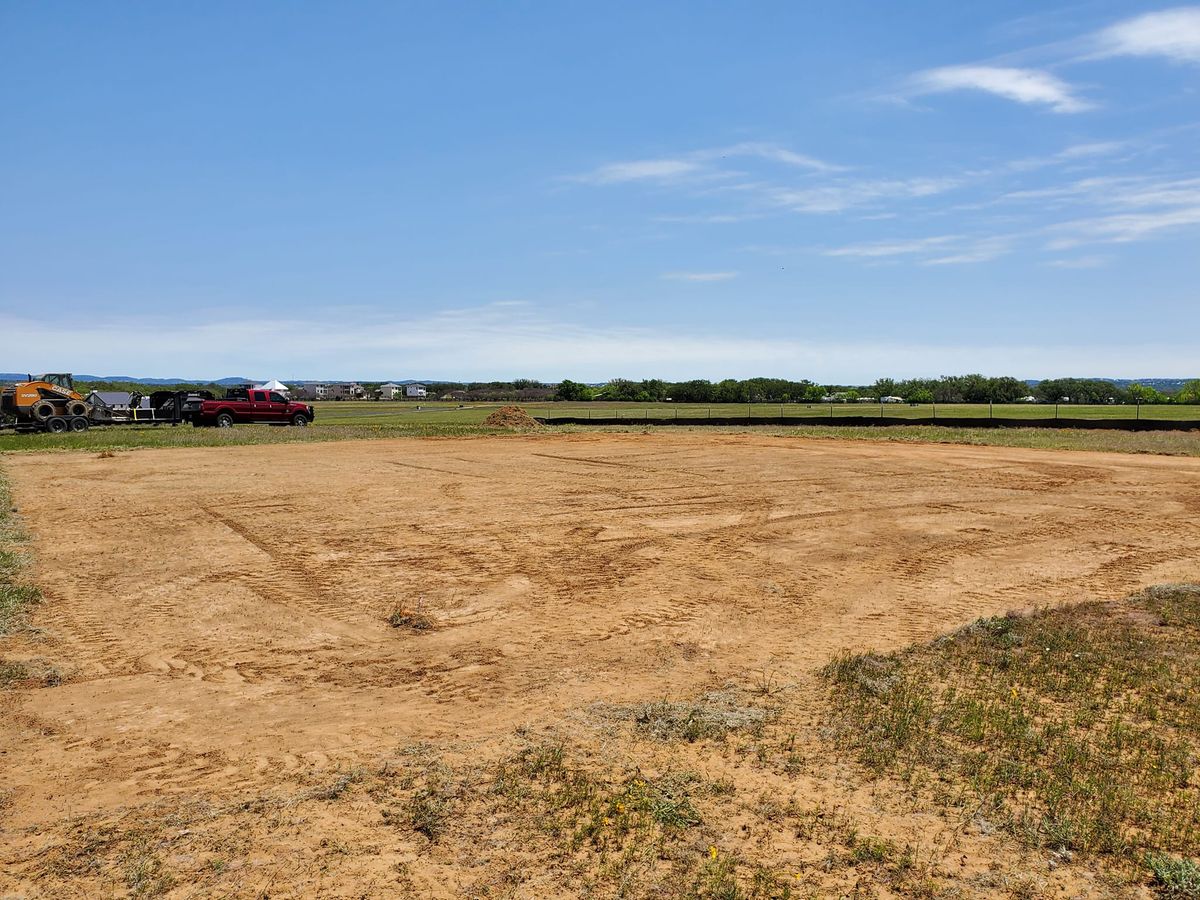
[[221, 619]]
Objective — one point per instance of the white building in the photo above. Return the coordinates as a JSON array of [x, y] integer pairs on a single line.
[[415, 391], [390, 391]]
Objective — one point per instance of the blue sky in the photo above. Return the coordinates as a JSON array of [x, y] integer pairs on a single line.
[[588, 190]]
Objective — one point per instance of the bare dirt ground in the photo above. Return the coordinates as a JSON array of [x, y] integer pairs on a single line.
[[221, 614]]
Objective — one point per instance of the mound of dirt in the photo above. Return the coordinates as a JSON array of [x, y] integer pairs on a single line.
[[511, 417]]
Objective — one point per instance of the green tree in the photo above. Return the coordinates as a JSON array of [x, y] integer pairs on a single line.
[[1190, 392], [1143, 393], [572, 391]]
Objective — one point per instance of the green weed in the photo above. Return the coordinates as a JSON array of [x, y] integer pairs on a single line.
[[1080, 726]]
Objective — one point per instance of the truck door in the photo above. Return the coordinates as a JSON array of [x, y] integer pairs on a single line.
[[276, 407]]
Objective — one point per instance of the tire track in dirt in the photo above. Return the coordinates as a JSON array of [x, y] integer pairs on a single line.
[[232, 622]]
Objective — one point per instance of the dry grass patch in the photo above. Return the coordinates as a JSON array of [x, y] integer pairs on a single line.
[[1078, 729]]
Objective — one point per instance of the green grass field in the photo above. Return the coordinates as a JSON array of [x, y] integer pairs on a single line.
[[365, 420]]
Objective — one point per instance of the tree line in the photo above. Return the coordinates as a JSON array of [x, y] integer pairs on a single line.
[[973, 388]]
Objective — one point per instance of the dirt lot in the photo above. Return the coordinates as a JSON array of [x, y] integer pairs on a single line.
[[222, 614]]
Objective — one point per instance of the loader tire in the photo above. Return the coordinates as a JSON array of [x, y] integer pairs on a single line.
[[77, 408], [57, 424], [42, 410]]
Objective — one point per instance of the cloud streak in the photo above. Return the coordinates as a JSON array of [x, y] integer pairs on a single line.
[[699, 276], [1030, 86], [701, 164]]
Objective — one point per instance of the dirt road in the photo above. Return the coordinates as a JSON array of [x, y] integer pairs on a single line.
[[222, 613]]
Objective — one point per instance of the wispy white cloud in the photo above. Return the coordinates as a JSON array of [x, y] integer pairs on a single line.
[[702, 164], [1122, 228], [977, 251], [1034, 86], [1171, 33], [775, 153], [844, 194], [641, 170], [1073, 154], [1079, 262], [878, 249], [699, 276], [707, 219]]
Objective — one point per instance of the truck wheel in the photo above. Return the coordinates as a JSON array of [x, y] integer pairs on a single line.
[[57, 424], [77, 408], [225, 420], [79, 423], [299, 420], [42, 410]]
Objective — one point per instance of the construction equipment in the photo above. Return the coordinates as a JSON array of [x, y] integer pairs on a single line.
[[51, 403], [45, 403]]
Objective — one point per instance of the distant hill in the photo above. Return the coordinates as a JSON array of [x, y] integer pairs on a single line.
[[1166, 385], [22, 376]]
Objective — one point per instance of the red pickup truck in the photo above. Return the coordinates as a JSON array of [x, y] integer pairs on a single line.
[[263, 407]]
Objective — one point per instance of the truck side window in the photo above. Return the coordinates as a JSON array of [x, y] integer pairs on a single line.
[[277, 398], [258, 396]]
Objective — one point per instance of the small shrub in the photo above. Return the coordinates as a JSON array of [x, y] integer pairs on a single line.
[[428, 812], [413, 620], [712, 716], [1174, 876]]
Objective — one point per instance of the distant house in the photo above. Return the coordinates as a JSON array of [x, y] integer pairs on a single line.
[[891, 399], [415, 391], [310, 390], [344, 390], [390, 391], [1029, 399]]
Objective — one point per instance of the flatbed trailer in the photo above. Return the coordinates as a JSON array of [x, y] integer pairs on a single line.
[[175, 408]]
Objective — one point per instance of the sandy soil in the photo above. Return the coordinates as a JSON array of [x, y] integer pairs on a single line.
[[222, 613]]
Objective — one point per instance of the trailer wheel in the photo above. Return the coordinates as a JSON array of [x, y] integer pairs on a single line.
[[57, 424], [79, 423], [225, 420], [77, 408], [299, 420], [42, 410]]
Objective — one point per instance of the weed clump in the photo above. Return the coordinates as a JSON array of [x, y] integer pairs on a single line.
[[411, 619], [1174, 877], [29, 673], [710, 717]]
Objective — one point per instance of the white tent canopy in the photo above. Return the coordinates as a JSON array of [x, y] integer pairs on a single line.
[[273, 385]]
